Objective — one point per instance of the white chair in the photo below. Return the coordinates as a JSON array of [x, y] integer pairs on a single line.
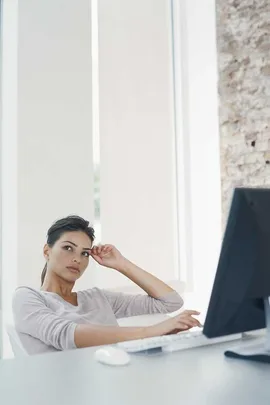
[[16, 344]]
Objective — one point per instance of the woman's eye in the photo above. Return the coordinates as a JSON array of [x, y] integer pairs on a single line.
[[67, 247], [86, 254]]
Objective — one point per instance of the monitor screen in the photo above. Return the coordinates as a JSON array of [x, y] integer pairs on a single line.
[[242, 279]]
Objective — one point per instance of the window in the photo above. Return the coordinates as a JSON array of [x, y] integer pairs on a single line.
[[112, 113], [138, 206], [159, 139]]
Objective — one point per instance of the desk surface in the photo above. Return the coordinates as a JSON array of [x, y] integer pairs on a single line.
[[199, 376]]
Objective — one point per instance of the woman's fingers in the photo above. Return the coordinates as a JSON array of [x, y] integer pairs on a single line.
[[101, 249], [188, 319], [189, 313], [187, 322], [93, 250], [194, 321], [107, 248], [182, 326], [96, 250]]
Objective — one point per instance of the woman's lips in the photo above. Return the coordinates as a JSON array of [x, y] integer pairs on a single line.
[[73, 269]]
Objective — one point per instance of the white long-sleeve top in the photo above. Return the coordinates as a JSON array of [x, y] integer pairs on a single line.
[[46, 322]]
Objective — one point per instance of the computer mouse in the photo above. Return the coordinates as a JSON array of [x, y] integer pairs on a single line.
[[112, 356]]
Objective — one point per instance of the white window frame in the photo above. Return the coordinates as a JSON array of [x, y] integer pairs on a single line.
[[199, 230]]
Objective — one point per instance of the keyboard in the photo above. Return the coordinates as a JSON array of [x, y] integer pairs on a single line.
[[171, 343]]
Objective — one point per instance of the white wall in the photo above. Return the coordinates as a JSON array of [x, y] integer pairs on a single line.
[[52, 159], [9, 32], [54, 121]]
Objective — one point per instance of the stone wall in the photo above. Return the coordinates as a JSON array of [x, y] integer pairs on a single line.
[[243, 41]]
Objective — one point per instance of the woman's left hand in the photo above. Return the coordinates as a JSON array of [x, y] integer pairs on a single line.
[[108, 256]]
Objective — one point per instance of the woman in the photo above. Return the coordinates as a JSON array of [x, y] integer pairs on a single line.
[[56, 318]]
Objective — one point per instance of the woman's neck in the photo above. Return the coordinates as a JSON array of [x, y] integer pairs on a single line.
[[57, 285]]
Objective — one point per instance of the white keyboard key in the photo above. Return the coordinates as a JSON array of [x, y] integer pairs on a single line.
[[197, 341]]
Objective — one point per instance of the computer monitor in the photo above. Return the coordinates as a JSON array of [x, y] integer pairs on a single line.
[[239, 300]]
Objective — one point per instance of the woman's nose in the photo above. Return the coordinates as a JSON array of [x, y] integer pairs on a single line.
[[76, 260]]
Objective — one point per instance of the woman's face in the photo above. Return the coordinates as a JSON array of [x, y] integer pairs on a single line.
[[69, 256]]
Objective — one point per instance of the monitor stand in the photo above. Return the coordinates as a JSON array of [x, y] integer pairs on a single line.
[[257, 349]]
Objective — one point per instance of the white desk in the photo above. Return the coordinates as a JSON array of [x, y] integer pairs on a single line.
[[201, 376]]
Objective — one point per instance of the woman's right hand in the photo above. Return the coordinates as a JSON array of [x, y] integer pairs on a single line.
[[178, 323]]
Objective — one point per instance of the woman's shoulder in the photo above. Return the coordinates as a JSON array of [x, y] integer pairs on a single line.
[[23, 293], [24, 289]]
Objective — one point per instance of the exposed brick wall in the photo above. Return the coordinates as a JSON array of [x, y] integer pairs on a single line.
[[243, 40]]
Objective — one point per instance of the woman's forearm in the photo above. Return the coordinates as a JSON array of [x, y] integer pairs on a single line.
[[149, 283], [96, 335]]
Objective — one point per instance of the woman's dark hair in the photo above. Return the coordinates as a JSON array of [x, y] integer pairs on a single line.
[[67, 224]]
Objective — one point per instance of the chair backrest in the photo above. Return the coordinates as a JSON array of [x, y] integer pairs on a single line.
[[16, 344]]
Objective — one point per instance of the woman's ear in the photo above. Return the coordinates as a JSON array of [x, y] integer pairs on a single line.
[[46, 251]]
